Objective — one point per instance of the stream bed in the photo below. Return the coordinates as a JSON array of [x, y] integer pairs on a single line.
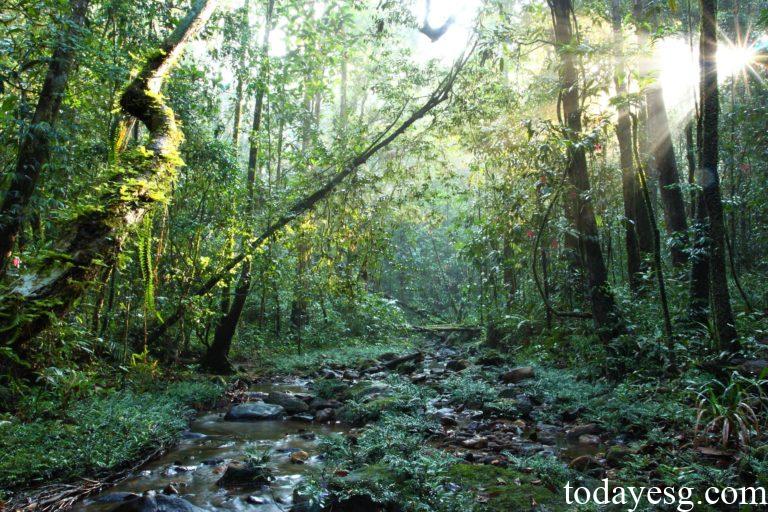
[[197, 462]]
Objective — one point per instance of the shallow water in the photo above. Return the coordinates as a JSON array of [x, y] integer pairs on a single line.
[[210, 444]]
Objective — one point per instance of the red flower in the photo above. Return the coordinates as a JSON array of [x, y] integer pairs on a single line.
[[530, 234], [598, 148], [745, 167], [553, 244], [16, 261]]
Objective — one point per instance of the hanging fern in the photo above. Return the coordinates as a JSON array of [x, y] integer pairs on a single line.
[[145, 263]]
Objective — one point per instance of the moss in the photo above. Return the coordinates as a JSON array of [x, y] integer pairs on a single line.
[[505, 489]]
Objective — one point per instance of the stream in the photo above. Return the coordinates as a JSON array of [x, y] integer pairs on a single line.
[[195, 464]]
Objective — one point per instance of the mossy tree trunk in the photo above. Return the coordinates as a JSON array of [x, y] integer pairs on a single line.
[[142, 178]]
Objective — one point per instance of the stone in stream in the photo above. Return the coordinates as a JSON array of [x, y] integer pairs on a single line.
[[589, 439], [257, 411], [240, 474], [456, 365], [319, 403], [577, 431], [325, 415], [518, 374], [152, 502], [299, 457], [290, 403]]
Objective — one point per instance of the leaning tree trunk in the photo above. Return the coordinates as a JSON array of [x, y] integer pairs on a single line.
[[308, 202], [663, 159], [35, 146], [710, 179], [143, 177], [608, 320], [635, 212], [216, 358]]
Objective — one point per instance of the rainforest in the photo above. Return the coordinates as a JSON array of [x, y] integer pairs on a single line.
[[383, 255]]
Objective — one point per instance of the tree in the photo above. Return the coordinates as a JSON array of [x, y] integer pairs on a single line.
[[144, 177], [216, 356], [605, 313], [35, 145], [709, 178], [663, 155], [637, 229]]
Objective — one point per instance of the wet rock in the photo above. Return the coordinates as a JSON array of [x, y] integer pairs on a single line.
[[308, 436], [351, 375], [299, 457], [518, 374], [617, 454], [584, 463], [152, 502], [239, 474], [176, 469], [302, 418], [475, 443], [388, 356], [193, 435], [256, 500], [327, 373], [325, 415], [257, 411], [369, 389], [117, 497], [319, 403], [574, 433], [589, 439], [490, 360], [170, 489], [290, 403], [213, 462], [419, 378], [456, 365]]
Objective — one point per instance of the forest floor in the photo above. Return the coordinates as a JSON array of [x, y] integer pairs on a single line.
[[425, 424]]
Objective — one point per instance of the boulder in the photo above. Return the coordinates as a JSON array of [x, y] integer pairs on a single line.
[[584, 463], [589, 439], [457, 365], [325, 415], [152, 502], [290, 403], [299, 457], [517, 374], [239, 474], [319, 403], [574, 433], [257, 411]]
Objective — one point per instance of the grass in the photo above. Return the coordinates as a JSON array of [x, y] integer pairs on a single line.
[[97, 434]]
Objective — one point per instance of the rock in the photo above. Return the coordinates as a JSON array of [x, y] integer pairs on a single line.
[[325, 415], [327, 373], [299, 457], [419, 378], [490, 360], [240, 474], [290, 403], [388, 356], [256, 500], [351, 375], [475, 443], [170, 489], [572, 414], [302, 418], [577, 431], [213, 462], [617, 454], [754, 368], [117, 497], [457, 365], [584, 463], [518, 374], [370, 389], [257, 411], [152, 502], [589, 439], [193, 435], [319, 403]]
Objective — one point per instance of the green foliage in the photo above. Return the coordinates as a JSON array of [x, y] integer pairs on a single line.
[[97, 434], [733, 410]]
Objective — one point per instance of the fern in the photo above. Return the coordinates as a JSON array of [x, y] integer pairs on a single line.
[[145, 263]]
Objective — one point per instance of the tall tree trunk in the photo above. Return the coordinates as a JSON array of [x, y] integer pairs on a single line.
[[710, 179], [93, 238], [635, 212], [216, 357], [607, 318], [663, 157], [35, 144]]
